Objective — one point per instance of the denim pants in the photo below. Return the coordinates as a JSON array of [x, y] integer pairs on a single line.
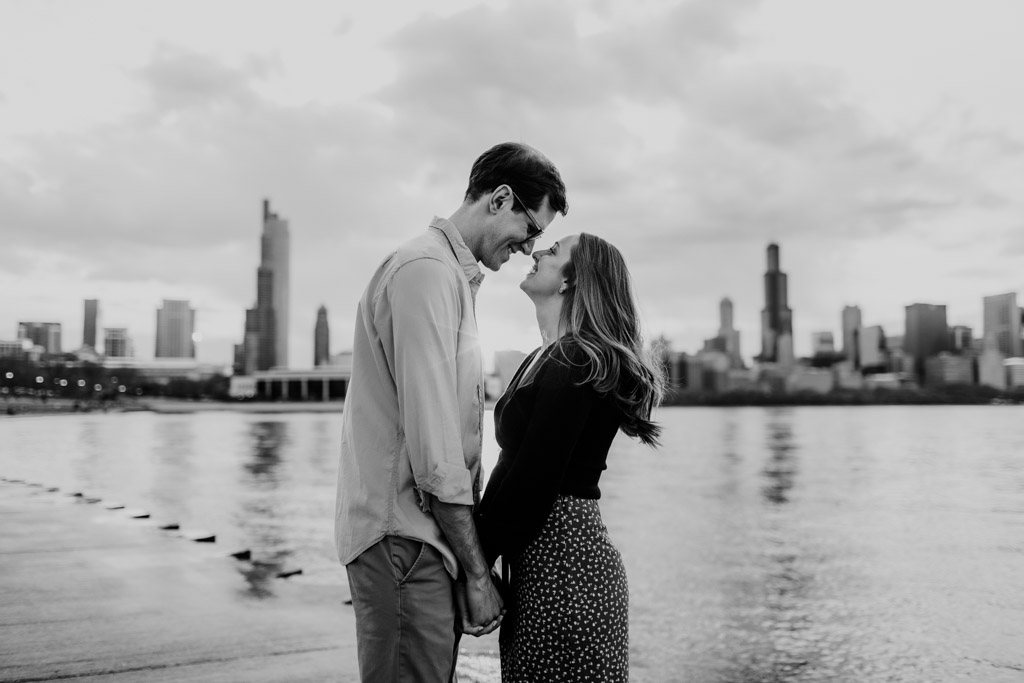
[[405, 613]]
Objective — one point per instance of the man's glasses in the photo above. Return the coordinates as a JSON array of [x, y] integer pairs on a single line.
[[533, 229]]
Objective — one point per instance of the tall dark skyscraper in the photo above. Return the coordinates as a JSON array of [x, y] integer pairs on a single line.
[[926, 333], [92, 313], [776, 318], [321, 339], [265, 344]]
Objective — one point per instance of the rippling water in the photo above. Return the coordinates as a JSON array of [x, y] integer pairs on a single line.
[[798, 544]]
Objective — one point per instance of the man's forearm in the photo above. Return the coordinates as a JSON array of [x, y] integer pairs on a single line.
[[456, 522]]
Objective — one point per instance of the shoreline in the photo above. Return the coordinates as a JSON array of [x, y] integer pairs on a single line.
[[24, 407], [162, 607]]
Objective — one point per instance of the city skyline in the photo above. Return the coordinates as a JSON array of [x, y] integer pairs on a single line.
[[889, 174], [1003, 322]]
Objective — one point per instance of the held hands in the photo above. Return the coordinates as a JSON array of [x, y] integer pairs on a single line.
[[480, 606]]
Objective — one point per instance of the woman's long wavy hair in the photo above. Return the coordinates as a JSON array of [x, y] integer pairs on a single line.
[[599, 315]]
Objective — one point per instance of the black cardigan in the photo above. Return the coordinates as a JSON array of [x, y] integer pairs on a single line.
[[554, 437]]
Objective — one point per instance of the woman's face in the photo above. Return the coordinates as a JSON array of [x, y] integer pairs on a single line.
[[545, 278]]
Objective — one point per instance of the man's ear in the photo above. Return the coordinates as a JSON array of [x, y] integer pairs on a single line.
[[499, 196]]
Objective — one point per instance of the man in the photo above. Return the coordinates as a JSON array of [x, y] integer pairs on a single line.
[[409, 473]]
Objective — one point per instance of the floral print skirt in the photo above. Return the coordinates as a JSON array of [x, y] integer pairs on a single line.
[[568, 618]]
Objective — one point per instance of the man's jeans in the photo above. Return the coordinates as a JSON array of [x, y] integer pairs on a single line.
[[405, 613]]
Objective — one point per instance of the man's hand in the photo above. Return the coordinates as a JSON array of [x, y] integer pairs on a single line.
[[480, 606]]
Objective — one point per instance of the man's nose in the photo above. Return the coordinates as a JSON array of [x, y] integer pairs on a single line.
[[526, 247]]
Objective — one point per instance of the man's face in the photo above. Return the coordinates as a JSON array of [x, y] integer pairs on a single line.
[[510, 231]]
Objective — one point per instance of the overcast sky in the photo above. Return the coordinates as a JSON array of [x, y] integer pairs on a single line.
[[879, 142]]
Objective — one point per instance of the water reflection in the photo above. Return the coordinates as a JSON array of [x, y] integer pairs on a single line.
[[172, 456], [781, 468], [261, 574], [266, 439], [260, 515], [88, 465]]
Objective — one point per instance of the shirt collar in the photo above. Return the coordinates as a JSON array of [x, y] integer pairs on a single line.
[[466, 259]]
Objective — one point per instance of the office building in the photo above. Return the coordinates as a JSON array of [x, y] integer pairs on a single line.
[[117, 343], [1014, 373], [945, 368], [822, 343], [871, 349], [46, 335], [729, 335], [776, 317], [265, 343], [851, 323], [926, 334], [810, 380], [961, 339], [89, 322], [321, 339], [991, 370], [19, 349], [175, 330], [1002, 321]]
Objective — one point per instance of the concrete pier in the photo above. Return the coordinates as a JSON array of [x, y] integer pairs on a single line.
[[92, 595]]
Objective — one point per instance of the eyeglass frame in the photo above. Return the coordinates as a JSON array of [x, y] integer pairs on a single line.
[[534, 223]]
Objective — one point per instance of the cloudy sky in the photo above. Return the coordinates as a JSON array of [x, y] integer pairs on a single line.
[[879, 142]]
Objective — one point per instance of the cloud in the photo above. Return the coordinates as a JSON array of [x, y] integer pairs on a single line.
[[674, 146], [181, 79]]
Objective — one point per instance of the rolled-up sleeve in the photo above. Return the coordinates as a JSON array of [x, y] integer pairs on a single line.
[[425, 314]]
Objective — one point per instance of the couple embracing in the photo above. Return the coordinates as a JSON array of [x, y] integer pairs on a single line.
[[419, 542]]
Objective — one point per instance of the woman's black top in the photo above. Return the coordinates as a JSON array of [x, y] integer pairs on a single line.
[[554, 437]]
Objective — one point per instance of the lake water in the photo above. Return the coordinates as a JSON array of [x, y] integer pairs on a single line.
[[795, 544]]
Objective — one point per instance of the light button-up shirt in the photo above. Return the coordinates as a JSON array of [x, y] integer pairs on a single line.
[[414, 409]]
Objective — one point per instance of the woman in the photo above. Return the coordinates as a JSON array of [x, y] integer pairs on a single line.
[[567, 603]]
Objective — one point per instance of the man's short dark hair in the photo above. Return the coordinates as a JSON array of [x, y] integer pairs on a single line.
[[528, 172]]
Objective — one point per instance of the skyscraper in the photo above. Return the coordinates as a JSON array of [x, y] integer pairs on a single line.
[[1003, 323], [175, 325], [321, 339], [776, 318], [926, 333], [265, 344], [871, 349], [822, 342], [729, 335], [46, 335], [116, 343], [851, 323], [92, 312]]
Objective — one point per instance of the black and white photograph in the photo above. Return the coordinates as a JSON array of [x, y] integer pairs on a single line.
[[651, 341]]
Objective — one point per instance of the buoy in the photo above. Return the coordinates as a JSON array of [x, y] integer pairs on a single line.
[[173, 526], [285, 575], [242, 555], [204, 538]]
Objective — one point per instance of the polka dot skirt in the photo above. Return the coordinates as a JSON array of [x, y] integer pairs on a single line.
[[569, 615]]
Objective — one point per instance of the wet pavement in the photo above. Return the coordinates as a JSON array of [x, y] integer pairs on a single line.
[[93, 594]]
